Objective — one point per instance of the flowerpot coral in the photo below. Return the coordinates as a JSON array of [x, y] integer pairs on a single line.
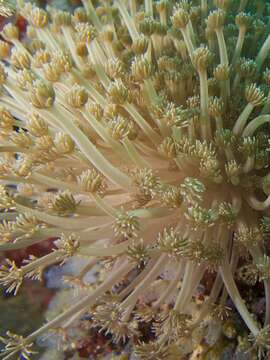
[[136, 133]]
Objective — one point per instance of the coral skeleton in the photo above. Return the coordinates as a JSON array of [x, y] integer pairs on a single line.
[[136, 133]]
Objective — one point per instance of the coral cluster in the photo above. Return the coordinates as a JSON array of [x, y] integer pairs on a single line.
[[136, 133]]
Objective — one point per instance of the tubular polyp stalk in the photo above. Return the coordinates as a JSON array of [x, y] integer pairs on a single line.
[[188, 42], [236, 297], [71, 45], [242, 5], [266, 108], [91, 152], [149, 7], [253, 126], [208, 305], [152, 275], [204, 8], [239, 45], [242, 119], [198, 274], [128, 20], [134, 154], [92, 14], [205, 125], [171, 288], [263, 53], [101, 251], [185, 286], [132, 7], [143, 124]]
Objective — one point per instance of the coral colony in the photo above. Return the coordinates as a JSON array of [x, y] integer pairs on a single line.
[[136, 134]]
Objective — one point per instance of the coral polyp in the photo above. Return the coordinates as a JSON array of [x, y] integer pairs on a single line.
[[136, 133]]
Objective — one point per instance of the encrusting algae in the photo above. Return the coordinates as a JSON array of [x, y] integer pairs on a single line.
[[137, 133]]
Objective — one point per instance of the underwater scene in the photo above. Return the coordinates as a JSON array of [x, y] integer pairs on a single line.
[[135, 180]]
